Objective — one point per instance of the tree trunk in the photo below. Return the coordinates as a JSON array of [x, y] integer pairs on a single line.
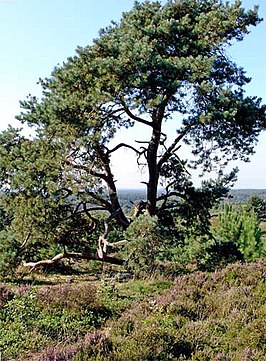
[[152, 154], [119, 215]]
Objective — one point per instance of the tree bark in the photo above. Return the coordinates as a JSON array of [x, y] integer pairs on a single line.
[[152, 154], [72, 255], [113, 195]]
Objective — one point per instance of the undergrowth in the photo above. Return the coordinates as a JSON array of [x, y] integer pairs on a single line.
[[201, 316]]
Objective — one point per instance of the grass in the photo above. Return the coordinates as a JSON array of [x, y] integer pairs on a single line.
[[201, 316]]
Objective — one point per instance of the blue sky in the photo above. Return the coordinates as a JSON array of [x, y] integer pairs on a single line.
[[36, 35]]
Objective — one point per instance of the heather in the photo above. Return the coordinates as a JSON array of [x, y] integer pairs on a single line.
[[215, 316], [199, 316]]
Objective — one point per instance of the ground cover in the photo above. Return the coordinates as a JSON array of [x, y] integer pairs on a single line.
[[200, 316]]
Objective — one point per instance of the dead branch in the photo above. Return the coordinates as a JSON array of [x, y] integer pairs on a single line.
[[142, 141], [103, 242], [26, 240], [125, 146], [71, 255], [182, 165]]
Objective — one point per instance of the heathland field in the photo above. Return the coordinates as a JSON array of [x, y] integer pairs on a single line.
[[199, 316]]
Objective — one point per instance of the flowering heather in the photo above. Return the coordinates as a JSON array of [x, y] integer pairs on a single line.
[[217, 316], [68, 296], [205, 316]]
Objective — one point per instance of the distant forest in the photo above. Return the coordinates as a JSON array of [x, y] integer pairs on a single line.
[[242, 195], [235, 196]]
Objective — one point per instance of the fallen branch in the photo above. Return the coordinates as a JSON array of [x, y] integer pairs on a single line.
[[103, 243], [72, 255]]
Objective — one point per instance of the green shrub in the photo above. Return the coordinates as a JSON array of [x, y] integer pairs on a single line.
[[17, 326], [36, 318], [218, 255], [215, 316], [200, 316], [240, 225], [9, 253], [143, 247]]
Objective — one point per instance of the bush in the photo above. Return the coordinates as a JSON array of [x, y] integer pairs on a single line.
[[9, 253], [205, 316], [143, 247], [240, 225], [36, 318], [218, 255]]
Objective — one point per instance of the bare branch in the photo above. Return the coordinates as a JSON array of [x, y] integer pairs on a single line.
[[89, 170], [170, 194], [26, 240], [103, 243], [123, 145], [165, 197], [91, 209], [171, 148], [142, 141], [107, 205], [146, 183], [71, 255], [134, 117], [110, 112], [182, 165], [107, 223]]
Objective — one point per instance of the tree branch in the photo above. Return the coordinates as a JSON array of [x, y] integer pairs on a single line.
[[134, 117], [171, 148], [105, 204], [170, 194], [25, 241], [123, 145], [87, 169], [102, 241], [71, 255]]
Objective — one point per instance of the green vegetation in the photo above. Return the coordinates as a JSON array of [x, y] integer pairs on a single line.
[[240, 225], [170, 309], [171, 278], [163, 62], [201, 316]]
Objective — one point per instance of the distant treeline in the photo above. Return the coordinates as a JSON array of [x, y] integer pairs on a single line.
[[242, 195], [235, 196], [126, 196]]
